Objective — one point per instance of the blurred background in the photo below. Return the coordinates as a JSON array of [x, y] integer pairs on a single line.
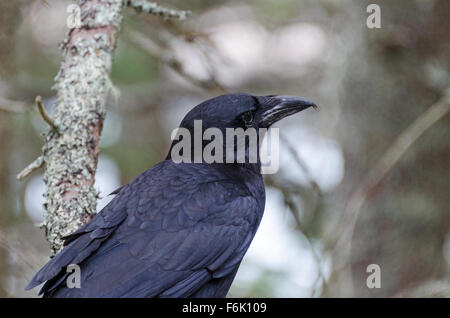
[[348, 193]]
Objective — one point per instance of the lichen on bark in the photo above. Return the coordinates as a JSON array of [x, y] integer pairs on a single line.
[[71, 147], [71, 150]]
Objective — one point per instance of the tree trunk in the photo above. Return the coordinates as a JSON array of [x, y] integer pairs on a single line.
[[71, 149]]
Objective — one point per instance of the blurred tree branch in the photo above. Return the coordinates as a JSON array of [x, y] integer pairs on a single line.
[[288, 197], [372, 179], [27, 257], [9, 19], [163, 55], [155, 9], [12, 105]]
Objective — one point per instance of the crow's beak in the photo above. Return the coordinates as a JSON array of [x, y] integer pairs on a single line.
[[275, 108]]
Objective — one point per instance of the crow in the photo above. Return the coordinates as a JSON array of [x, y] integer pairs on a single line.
[[180, 229]]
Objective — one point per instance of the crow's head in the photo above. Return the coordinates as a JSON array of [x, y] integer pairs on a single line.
[[244, 110], [235, 111]]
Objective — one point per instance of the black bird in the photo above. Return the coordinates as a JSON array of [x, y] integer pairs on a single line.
[[178, 229]]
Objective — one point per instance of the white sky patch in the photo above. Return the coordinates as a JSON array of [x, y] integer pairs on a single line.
[[112, 129], [107, 179], [297, 44], [241, 42], [277, 247], [34, 198], [322, 156], [191, 58], [240, 52], [48, 22], [245, 48]]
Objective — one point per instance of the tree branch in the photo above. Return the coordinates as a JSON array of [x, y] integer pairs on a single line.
[[43, 113], [384, 165], [36, 164], [154, 8], [294, 209], [70, 152]]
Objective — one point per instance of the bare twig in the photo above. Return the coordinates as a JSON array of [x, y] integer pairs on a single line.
[[36, 164], [43, 113], [154, 8], [286, 190], [313, 184], [287, 195], [295, 212]]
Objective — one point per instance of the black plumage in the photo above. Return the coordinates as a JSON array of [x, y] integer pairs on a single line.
[[178, 229]]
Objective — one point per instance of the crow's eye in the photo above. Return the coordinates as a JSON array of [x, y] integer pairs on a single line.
[[247, 119]]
